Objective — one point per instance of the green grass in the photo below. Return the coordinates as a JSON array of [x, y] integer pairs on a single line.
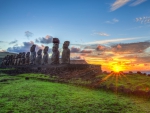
[[35, 96], [132, 82]]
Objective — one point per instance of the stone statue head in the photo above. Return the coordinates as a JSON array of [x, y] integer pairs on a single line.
[[27, 54], [66, 44], [32, 49], [39, 52], [46, 49]]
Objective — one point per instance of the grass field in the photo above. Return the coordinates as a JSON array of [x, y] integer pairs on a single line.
[[129, 81], [36, 96]]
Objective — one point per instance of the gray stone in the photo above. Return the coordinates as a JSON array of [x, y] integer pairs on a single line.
[[22, 58], [33, 54], [27, 58], [66, 53], [55, 55], [19, 59], [45, 56], [39, 57]]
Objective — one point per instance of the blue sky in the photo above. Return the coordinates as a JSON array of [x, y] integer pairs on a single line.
[[93, 27], [80, 21]]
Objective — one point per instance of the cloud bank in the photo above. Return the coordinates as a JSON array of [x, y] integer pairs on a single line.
[[25, 47], [45, 40]]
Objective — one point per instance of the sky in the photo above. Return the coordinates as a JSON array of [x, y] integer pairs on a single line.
[[107, 32]]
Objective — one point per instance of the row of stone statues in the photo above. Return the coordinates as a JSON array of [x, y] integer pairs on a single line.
[[31, 58]]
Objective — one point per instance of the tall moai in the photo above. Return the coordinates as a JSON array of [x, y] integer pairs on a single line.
[[33, 54], [19, 59], [66, 53], [22, 58], [27, 58], [45, 56], [39, 57], [55, 55], [15, 59]]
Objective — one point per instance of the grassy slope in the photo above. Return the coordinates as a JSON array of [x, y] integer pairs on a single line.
[[20, 95], [133, 82]]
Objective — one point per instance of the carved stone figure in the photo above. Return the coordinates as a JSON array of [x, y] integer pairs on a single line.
[[6, 61], [22, 58], [19, 59], [10, 59], [55, 55], [27, 59], [39, 56], [66, 53], [45, 57], [15, 59], [33, 54]]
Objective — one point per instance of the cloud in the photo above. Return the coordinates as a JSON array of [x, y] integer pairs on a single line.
[[113, 21], [143, 20], [45, 40], [2, 50], [101, 34], [25, 47], [74, 50], [1, 41], [86, 51], [117, 4], [109, 41], [137, 2], [28, 34], [100, 48], [13, 42], [138, 47]]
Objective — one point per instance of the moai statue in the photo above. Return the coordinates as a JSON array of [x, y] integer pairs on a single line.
[[66, 53], [19, 58], [27, 59], [16, 59], [13, 59], [4, 61], [55, 55], [22, 58], [45, 57], [10, 59], [33, 54], [39, 56], [7, 60]]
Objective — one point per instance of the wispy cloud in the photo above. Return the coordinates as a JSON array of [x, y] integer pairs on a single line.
[[117, 4], [143, 20], [13, 42], [137, 2], [28, 34], [113, 21], [111, 40], [102, 34]]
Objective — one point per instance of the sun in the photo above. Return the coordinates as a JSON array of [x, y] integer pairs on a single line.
[[117, 68]]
